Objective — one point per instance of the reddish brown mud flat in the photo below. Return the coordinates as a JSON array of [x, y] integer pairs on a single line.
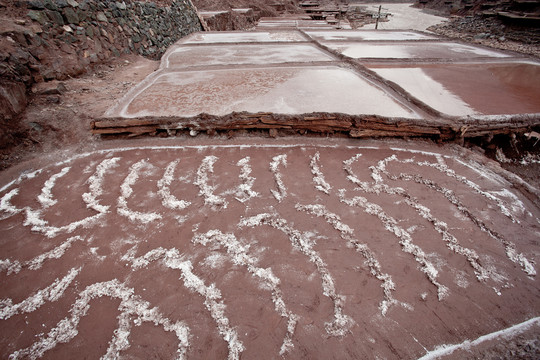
[[312, 248], [471, 89]]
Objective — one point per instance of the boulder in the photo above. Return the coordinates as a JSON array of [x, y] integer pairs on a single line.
[[12, 98]]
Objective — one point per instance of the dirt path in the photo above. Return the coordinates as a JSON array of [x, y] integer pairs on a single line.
[[405, 17]]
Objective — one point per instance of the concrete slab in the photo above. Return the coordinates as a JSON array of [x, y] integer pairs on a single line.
[[415, 50], [368, 35], [243, 37], [188, 56], [471, 89], [284, 90]]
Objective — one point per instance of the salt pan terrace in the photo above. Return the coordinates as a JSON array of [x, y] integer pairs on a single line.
[[391, 74]]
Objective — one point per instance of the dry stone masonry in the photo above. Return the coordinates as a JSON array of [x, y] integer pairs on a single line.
[[56, 39]]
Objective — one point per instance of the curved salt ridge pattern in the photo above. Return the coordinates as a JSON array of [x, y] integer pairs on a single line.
[[318, 176], [374, 266], [341, 324], [245, 189], [441, 227], [443, 168], [239, 255], [274, 168], [206, 190], [510, 247], [131, 305], [213, 302], [51, 293], [6, 206], [96, 185], [126, 191], [167, 199], [405, 239], [37, 262], [33, 217], [46, 198]]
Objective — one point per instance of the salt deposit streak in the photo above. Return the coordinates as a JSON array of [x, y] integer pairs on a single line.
[[131, 307], [95, 183], [510, 247], [441, 227], [318, 176], [126, 191], [405, 239], [245, 190], [51, 293], [33, 219], [6, 206], [205, 189], [239, 255], [46, 198], [513, 331], [213, 302], [451, 173], [347, 234], [274, 168], [167, 199], [36, 263], [341, 324]]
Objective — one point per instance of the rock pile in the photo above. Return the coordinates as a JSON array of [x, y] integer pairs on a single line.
[[490, 31], [56, 39]]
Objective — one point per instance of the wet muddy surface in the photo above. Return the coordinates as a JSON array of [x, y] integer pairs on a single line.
[[244, 54], [368, 35], [240, 37], [468, 89], [215, 249], [417, 50], [285, 90]]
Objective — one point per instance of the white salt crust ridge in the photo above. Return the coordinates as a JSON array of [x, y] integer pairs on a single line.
[[46, 198], [342, 324], [451, 173], [513, 331], [405, 239], [6, 206], [239, 255], [509, 246], [126, 191], [212, 295], [133, 310], [441, 227], [205, 189], [95, 184], [33, 218], [318, 176], [245, 190], [347, 234], [51, 293], [15, 266], [164, 191], [277, 160]]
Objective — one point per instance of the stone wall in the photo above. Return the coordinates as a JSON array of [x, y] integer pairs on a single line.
[[54, 39]]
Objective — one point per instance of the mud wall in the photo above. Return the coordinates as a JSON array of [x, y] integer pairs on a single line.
[[43, 40]]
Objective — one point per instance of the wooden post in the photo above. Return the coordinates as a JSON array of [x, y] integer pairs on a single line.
[[378, 17]]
